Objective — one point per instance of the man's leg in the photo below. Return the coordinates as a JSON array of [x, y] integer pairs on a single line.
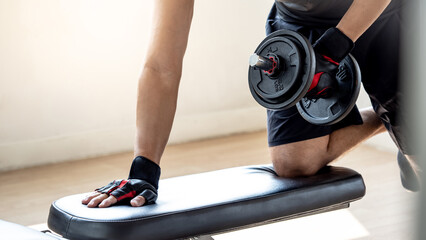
[[410, 172], [304, 158]]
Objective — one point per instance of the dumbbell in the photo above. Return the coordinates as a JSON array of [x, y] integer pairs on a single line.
[[282, 69]]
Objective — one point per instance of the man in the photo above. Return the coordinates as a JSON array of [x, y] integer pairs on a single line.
[[297, 148]]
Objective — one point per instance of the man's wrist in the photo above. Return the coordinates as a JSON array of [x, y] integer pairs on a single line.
[[334, 44], [144, 169]]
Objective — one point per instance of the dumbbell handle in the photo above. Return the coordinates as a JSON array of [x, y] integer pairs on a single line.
[[261, 62]]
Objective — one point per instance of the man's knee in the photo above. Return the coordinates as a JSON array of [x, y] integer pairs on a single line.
[[294, 167], [298, 163], [300, 159]]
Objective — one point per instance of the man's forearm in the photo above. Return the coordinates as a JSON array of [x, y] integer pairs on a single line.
[[360, 16], [156, 106], [159, 82]]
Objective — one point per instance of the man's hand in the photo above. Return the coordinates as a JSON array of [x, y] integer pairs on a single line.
[[97, 199], [331, 48], [324, 83], [139, 191], [140, 188]]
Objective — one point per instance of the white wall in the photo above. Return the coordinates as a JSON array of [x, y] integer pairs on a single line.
[[69, 70]]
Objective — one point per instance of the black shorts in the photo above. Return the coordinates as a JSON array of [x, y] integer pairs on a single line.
[[377, 52]]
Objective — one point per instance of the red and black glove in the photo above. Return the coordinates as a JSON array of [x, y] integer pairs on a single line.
[[143, 181], [330, 49]]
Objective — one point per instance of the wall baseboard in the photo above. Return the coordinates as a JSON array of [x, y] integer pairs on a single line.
[[215, 124], [97, 143], [110, 141]]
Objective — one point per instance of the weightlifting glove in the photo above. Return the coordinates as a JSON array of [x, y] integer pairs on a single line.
[[142, 181], [330, 49]]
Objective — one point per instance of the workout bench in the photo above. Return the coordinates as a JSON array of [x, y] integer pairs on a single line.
[[197, 206]]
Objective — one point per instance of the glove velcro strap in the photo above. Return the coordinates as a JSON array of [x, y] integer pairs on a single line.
[[334, 44], [144, 169]]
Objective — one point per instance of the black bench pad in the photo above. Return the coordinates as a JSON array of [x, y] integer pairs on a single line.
[[210, 202]]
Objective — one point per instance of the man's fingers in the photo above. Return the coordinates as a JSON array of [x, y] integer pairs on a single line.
[[89, 197], [108, 202], [137, 201], [96, 200], [122, 190]]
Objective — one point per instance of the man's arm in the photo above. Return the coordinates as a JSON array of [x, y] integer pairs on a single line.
[[360, 16], [158, 87], [337, 42], [159, 82]]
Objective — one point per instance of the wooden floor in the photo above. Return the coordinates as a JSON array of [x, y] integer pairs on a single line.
[[387, 211]]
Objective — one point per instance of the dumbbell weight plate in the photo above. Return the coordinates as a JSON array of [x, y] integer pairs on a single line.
[[297, 66], [327, 111]]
